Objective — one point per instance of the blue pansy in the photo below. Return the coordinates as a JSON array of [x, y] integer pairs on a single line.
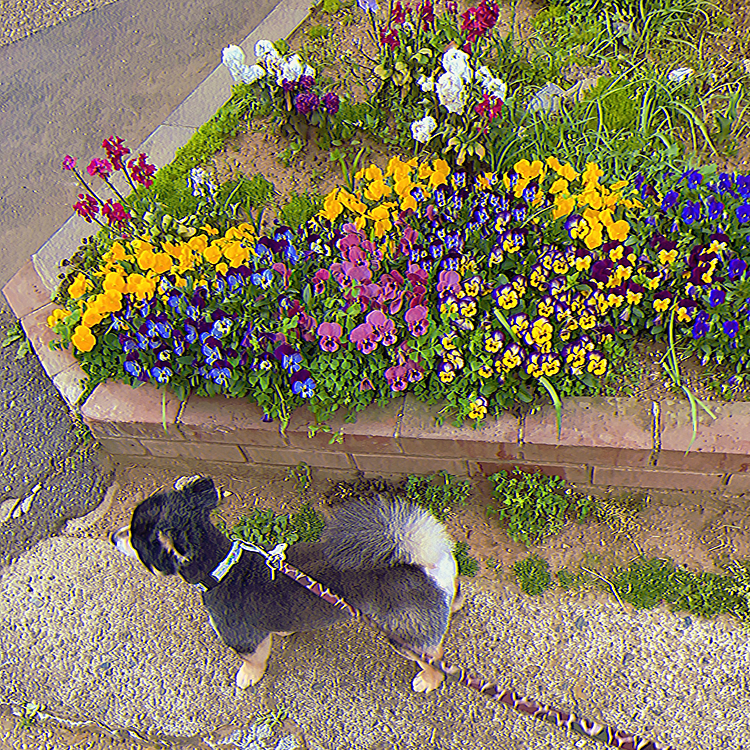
[[717, 297], [730, 328], [161, 372], [669, 200], [737, 267], [691, 212], [701, 325], [715, 208], [303, 384], [743, 213]]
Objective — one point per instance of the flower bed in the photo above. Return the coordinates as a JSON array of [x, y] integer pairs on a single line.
[[462, 284]]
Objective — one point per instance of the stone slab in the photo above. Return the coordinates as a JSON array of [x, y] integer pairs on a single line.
[[657, 479], [26, 292], [609, 431], [721, 444], [118, 410], [222, 420], [421, 435]]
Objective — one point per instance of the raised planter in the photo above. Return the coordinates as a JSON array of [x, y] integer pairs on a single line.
[[603, 441]]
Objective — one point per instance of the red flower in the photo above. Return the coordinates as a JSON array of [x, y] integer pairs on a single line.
[[477, 21], [99, 167], [115, 151], [115, 213], [87, 207], [141, 172], [391, 38]]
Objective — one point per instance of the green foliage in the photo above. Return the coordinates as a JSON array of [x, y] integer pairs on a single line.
[[533, 575], [467, 565], [299, 208], [318, 32], [16, 335], [266, 529], [568, 580], [645, 583], [439, 494], [533, 506]]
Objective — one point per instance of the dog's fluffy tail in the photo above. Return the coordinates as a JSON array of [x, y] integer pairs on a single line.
[[383, 533]]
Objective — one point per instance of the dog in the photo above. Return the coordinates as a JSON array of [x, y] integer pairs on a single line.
[[390, 559]]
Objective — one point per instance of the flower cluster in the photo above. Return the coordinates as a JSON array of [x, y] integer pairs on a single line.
[[295, 88], [479, 291]]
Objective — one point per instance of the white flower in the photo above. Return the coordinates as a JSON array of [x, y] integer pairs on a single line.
[[234, 59], [309, 72], [251, 73], [451, 92], [426, 84], [422, 129], [268, 55], [491, 85], [291, 70], [456, 61], [680, 74]]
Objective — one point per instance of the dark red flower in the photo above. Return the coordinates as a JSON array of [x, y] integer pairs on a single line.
[[115, 151], [140, 171], [87, 207]]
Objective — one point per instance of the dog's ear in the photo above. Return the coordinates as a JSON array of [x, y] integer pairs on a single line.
[[201, 493], [167, 541]]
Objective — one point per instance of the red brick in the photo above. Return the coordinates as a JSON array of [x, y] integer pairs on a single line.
[[421, 435], [26, 292], [295, 456], [227, 420], [214, 452], [117, 410], [122, 446], [738, 483], [40, 335], [656, 479], [387, 465], [721, 444], [374, 431], [575, 473], [603, 431]]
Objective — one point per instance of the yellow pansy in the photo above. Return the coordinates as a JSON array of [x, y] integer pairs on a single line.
[[57, 315], [79, 287], [377, 190], [382, 218], [208, 229], [332, 206], [592, 173], [559, 185], [82, 339], [563, 206], [618, 230], [441, 170], [212, 253]]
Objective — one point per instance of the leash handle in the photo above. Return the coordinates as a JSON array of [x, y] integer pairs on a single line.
[[555, 716]]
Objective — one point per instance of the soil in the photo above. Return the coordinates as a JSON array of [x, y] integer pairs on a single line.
[[698, 530]]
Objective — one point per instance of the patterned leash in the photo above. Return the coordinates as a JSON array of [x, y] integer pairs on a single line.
[[559, 718]]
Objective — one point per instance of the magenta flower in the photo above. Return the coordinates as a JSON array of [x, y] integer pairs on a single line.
[[331, 102], [284, 271], [319, 280], [87, 207], [450, 280], [99, 167], [364, 338], [383, 326], [416, 320], [329, 333], [306, 102], [69, 162], [115, 213], [366, 385], [115, 151], [397, 378], [140, 171]]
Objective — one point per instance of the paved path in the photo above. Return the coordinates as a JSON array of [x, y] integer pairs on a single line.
[[91, 634]]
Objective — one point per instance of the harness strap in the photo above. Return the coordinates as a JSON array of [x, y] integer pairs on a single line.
[[579, 725]]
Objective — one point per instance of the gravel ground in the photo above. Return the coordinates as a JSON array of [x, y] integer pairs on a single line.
[[91, 634], [21, 18]]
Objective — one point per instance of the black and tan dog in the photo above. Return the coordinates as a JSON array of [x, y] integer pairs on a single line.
[[391, 560]]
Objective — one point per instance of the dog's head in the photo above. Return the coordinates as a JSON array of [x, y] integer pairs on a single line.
[[166, 526]]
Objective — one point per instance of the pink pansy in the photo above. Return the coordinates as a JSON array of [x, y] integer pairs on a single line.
[[319, 280], [449, 280], [416, 320], [284, 271], [408, 239], [416, 274], [329, 333], [397, 377], [383, 327], [414, 373], [363, 337]]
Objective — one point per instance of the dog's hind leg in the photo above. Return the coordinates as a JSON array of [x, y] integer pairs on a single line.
[[459, 599], [254, 664]]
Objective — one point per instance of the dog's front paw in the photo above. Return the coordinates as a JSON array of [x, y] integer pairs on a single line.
[[427, 681], [249, 675]]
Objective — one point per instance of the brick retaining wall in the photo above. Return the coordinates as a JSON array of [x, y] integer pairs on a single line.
[[603, 441]]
